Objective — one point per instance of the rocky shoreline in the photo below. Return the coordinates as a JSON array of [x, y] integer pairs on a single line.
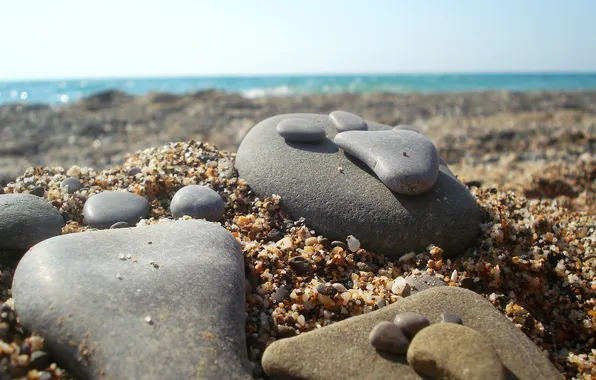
[[528, 160]]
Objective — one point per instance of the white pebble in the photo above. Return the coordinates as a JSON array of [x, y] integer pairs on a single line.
[[353, 243], [148, 319], [454, 276], [301, 320], [400, 286], [118, 276]]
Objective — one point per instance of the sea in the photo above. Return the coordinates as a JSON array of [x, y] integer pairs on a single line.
[[57, 92]]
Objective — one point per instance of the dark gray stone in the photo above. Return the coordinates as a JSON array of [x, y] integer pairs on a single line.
[[197, 202], [346, 121], [451, 318], [38, 191], [26, 219], [353, 201], [300, 131], [405, 161], [342, 350], [104, 209], [451, 351], [71, 184], [40, 360], [388, 337], [133, 172], [181, 319], [410, 323], [119, 225]]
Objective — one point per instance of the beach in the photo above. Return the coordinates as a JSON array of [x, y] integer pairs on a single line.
[[528, 159]]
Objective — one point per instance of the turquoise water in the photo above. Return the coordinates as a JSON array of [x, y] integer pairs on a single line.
[[67, 91]]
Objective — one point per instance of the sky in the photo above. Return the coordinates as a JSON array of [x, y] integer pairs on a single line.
[[64, 39]]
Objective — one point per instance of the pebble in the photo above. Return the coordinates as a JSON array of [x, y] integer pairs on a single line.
[[198, 202], [25, 220], [280, 294], [452, 351], [134, 171], [405, 161], [400, 287], [71, 184], [38, 191], [300, 265], [40, 360], [107, 208], [119, 225], [337, 243], [411, 323], [353, 243], [149, 307], [275, 235], [346, 121], [388, 337], [300, 131], [451, 318]]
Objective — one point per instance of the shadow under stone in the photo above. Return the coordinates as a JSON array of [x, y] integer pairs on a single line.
[[326, 146]]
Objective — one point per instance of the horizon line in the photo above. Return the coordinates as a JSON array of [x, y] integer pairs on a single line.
[[304, 74]]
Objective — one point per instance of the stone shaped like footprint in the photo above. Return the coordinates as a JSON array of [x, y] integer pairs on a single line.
[[164, 301], [405, 161]]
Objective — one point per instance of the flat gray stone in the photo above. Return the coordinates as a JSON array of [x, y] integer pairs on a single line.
[[71, 184], [25, 220], [338, 195], [387, 337], [197, 202], [342, 350], [300, 131], [105, 209], [164, 301], [346, 121], [410, 323], [452, 351], [405, 161]]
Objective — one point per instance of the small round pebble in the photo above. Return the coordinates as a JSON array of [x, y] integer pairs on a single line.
[[300, 130], [300, 265], [451, 318], [198, 202], [71, 184], [102, 210], [134, 171], [400, 287], [119, 225], [388, 337], [410, 323]]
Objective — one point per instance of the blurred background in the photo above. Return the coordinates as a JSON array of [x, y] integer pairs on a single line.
[[497, 85]]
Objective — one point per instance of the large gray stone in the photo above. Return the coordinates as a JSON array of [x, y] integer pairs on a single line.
[[104, 209], [197, 202], [405, 161], [342, 350], [25, 220], [338, 195], [173, 309]]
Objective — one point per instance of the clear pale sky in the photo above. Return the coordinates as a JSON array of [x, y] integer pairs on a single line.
[[44, 39]]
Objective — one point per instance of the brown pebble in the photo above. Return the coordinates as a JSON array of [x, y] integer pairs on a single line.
[[388, 337], [311, 241]]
